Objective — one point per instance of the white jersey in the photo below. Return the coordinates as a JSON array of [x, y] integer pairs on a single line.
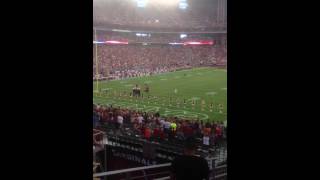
[[206, 140], [162, 122], [167, 125], [140, 119], [120, 119]]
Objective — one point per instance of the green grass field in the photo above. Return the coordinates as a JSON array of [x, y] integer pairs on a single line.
[[169, 91]]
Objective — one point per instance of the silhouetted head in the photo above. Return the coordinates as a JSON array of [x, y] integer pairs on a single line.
[[190, 146]]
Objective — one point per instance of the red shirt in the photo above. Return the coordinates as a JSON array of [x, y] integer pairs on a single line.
[[218, 131], [162, 135], [147, 133], [157, 121], [104, 117], [142, 129], [206, 131], [188, 131], [156, 132]]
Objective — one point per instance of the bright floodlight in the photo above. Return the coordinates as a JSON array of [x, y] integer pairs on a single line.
[[183, 36], [183, 5], [142, 34], [141, 3], [165, 2]]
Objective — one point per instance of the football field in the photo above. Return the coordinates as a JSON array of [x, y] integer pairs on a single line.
[[199, 93]]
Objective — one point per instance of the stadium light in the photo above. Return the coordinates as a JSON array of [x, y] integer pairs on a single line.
[[98, 42], [142, 3], [116, 42], [164, 2], [120, 30], [183, 5], [192, 43], [198, 43], [142, 34], [183, 36], [175, 43]]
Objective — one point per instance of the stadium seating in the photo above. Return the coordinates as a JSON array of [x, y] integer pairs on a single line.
[[132, 40], [128, 139], [198, 16], [134, 61]]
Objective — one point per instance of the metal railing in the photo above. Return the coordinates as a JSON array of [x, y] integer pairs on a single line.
[[220, 172], [128, 171]]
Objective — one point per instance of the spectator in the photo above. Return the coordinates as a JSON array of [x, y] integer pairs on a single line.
[[162, 134], [119, 121], [167, 125], [156, 133], [120, 62], [162, 122], [189, 166], [188, 131], [147, 133], [173, 126], [140, 119]]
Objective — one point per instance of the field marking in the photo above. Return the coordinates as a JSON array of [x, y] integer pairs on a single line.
[[107, 99], [186, 114], [147, 82], [211, 93], [193, 98], [164, 79], [107, 89], [151, 108], [128, 85]]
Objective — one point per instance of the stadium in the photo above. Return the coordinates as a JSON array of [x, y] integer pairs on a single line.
[[159, 88]]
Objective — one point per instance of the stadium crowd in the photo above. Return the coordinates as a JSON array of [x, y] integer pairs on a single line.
[[151, 126], [149, 37], [135, 61], [199, 16]]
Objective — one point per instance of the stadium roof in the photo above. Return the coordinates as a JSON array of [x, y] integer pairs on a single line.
[[161, 15]]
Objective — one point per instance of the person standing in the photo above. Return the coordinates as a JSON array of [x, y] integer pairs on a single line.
[[189, 166], [119, 121]]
